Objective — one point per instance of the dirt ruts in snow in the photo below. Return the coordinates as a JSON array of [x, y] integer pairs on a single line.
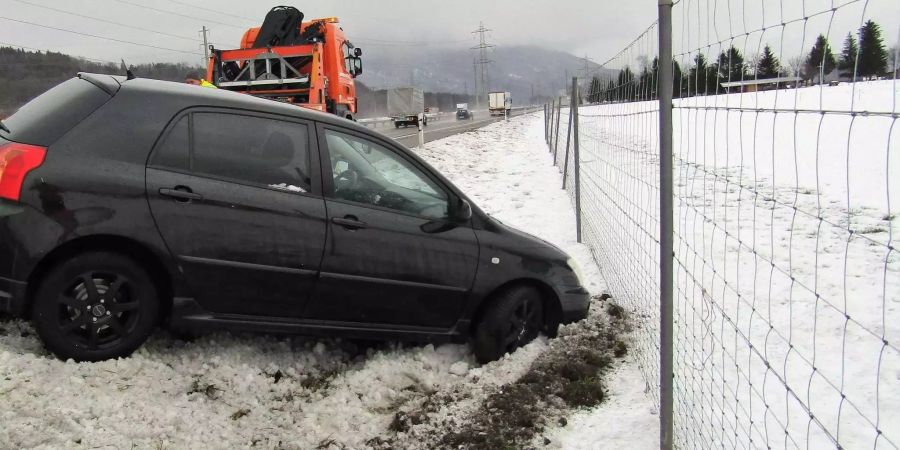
[[567, 376]]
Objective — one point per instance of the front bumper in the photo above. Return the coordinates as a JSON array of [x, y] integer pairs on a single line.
[[575, 304], [12, 297]]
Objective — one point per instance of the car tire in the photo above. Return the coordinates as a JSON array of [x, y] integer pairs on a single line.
[[95, 306], [514, 318]]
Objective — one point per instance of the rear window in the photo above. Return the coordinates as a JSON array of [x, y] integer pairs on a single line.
[[48, 117]]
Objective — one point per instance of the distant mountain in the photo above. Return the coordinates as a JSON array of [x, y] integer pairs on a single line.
[[520, 70]]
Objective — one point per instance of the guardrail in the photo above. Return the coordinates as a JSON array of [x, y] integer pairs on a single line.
[[377, 122], [386, 122]]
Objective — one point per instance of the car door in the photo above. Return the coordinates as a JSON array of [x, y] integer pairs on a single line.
[[237, 202], [392, 255]]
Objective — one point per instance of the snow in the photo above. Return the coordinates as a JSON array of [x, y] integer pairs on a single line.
[[784, 272], [233, 390], [287, 187]]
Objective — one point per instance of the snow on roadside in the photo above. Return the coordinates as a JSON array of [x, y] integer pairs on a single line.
[[226, 390]]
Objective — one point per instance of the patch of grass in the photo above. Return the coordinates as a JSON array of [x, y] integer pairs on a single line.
[[615, 310], [584, 392], [240, 413], [207, 389], [320, 381], [872, 230]]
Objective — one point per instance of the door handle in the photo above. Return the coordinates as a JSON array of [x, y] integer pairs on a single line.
[[182, 194], [349, 222]]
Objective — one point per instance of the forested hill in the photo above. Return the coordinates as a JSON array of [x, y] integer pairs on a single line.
[[26, 74]]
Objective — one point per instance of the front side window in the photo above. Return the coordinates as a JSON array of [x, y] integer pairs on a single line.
[[267, 152], [348, 56], [369, 173]]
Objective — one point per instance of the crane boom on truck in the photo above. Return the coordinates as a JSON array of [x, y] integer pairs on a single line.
[[310, 64]]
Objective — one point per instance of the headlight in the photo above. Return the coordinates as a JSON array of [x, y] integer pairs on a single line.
[[575, 268]]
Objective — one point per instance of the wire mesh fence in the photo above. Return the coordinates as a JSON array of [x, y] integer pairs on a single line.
[[786, 197]]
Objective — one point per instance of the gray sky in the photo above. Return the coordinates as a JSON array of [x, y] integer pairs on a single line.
[[598, 28]]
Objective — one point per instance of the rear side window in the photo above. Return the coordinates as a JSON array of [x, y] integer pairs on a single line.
[[174, 151], [45, 119], [255, 150]]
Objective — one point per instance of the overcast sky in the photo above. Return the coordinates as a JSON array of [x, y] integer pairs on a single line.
[[597, 28]]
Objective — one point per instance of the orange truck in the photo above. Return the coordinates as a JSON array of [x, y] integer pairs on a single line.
[[310, 64]]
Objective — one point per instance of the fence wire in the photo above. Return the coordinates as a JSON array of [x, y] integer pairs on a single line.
[[786, 275]]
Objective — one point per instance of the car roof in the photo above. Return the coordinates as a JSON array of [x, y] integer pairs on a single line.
[[188, 95]]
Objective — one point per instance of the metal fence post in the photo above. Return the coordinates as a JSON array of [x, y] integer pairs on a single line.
[[553, 131], [568, 130], [556, 139], [666, 230], [573, 114], [545, 123]]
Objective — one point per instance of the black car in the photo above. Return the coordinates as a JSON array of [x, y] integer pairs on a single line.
[[127, 204], [463, 114]]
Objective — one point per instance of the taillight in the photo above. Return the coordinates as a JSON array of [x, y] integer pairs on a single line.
[[16, 160]]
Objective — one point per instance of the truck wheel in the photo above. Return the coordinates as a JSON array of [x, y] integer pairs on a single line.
[[396, 125], [514, 318], [95, 306]]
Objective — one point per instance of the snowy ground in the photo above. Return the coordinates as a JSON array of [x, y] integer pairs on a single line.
[[787, 279], [228, 391]]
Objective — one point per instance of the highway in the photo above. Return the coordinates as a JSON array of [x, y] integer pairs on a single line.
[[447, 125]]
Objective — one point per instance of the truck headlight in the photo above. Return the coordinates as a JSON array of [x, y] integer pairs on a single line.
[[577, 269]]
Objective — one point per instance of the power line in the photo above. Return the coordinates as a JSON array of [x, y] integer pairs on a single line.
[[165, 11], [71, 13], [236, 16], [387, 41], [98, 37]]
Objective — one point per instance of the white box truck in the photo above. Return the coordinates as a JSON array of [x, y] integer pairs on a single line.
[[405, 105], [499, 103]]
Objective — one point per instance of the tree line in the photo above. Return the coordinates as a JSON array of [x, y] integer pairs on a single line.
[[26, 74], [863, 57]]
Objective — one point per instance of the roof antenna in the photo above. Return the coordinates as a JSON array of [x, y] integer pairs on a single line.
[[129, 75]]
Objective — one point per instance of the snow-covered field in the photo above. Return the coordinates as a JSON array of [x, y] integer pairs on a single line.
[[240, 391], [787, 279]]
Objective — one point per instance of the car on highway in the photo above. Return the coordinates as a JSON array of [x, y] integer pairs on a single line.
[[126, 204], [462, 111]]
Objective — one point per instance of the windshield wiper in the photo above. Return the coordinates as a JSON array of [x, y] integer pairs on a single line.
[[3, 127]]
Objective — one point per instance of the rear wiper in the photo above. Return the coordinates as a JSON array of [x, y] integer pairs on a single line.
[[3, 127]]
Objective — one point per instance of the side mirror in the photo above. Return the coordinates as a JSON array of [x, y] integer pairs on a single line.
[[357, 66], [357, 52], [463, 210]]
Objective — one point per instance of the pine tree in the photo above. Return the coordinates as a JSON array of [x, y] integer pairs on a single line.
[[625, 89], [677, 78], [731, 66], [872, 54], [594, 92], [699, 75], [847, 63], [820, 60], [609, 94], [768, 66]]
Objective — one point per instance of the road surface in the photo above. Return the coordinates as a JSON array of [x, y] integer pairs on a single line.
[[439, 129]]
